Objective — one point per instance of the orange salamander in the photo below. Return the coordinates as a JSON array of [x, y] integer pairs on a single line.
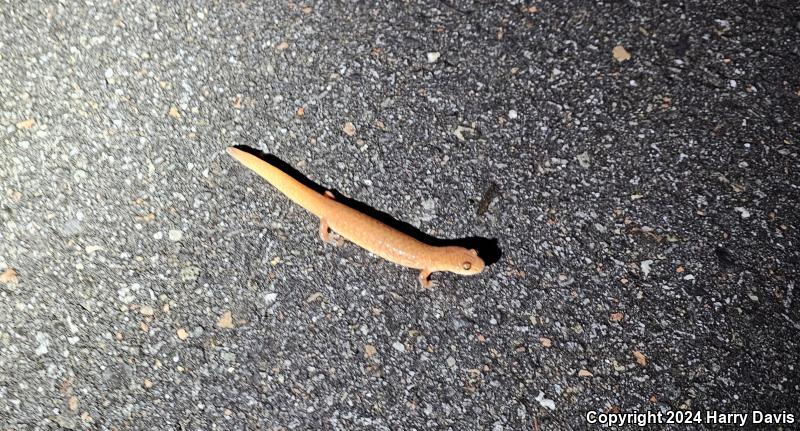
[[363, 230]]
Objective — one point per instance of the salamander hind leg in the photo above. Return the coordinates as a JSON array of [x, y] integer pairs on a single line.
[[327, 235], [336, 240], [324, 230]]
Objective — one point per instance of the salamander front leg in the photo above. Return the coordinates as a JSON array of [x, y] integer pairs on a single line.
[[424, 279]]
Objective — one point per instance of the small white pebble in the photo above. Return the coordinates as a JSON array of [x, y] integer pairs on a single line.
[[733, 83], [109, 73], [545, 402], [93, 248], [175, 235], [646, 266], [743, 211], [512, 115], [399, 346], [44, 342], [433, 57]]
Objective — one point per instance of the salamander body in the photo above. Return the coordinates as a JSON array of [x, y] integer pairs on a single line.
[[363, 230]]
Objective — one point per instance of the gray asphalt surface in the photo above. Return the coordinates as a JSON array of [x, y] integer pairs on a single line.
[[646, 210]]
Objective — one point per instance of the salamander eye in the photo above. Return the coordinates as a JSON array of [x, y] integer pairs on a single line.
[[466, 265]]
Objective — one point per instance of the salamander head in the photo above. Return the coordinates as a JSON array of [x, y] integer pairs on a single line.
[[463, 261]]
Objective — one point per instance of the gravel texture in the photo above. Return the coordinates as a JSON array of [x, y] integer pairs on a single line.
[[644, 198]]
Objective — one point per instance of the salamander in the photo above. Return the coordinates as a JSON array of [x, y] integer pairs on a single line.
[[364, 230]]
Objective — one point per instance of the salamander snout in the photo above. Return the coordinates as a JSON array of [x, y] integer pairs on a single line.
[[466, 261]]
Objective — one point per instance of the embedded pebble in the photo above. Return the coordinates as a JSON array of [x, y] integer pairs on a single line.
[[646, 266], [190, 273], [44, 342], [175, 235], [743, 212], [545, 402], [584, 159]]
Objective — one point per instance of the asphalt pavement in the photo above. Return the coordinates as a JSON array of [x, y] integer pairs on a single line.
[[635, 164]]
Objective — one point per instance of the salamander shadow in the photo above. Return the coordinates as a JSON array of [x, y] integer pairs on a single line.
[[488, 249]]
